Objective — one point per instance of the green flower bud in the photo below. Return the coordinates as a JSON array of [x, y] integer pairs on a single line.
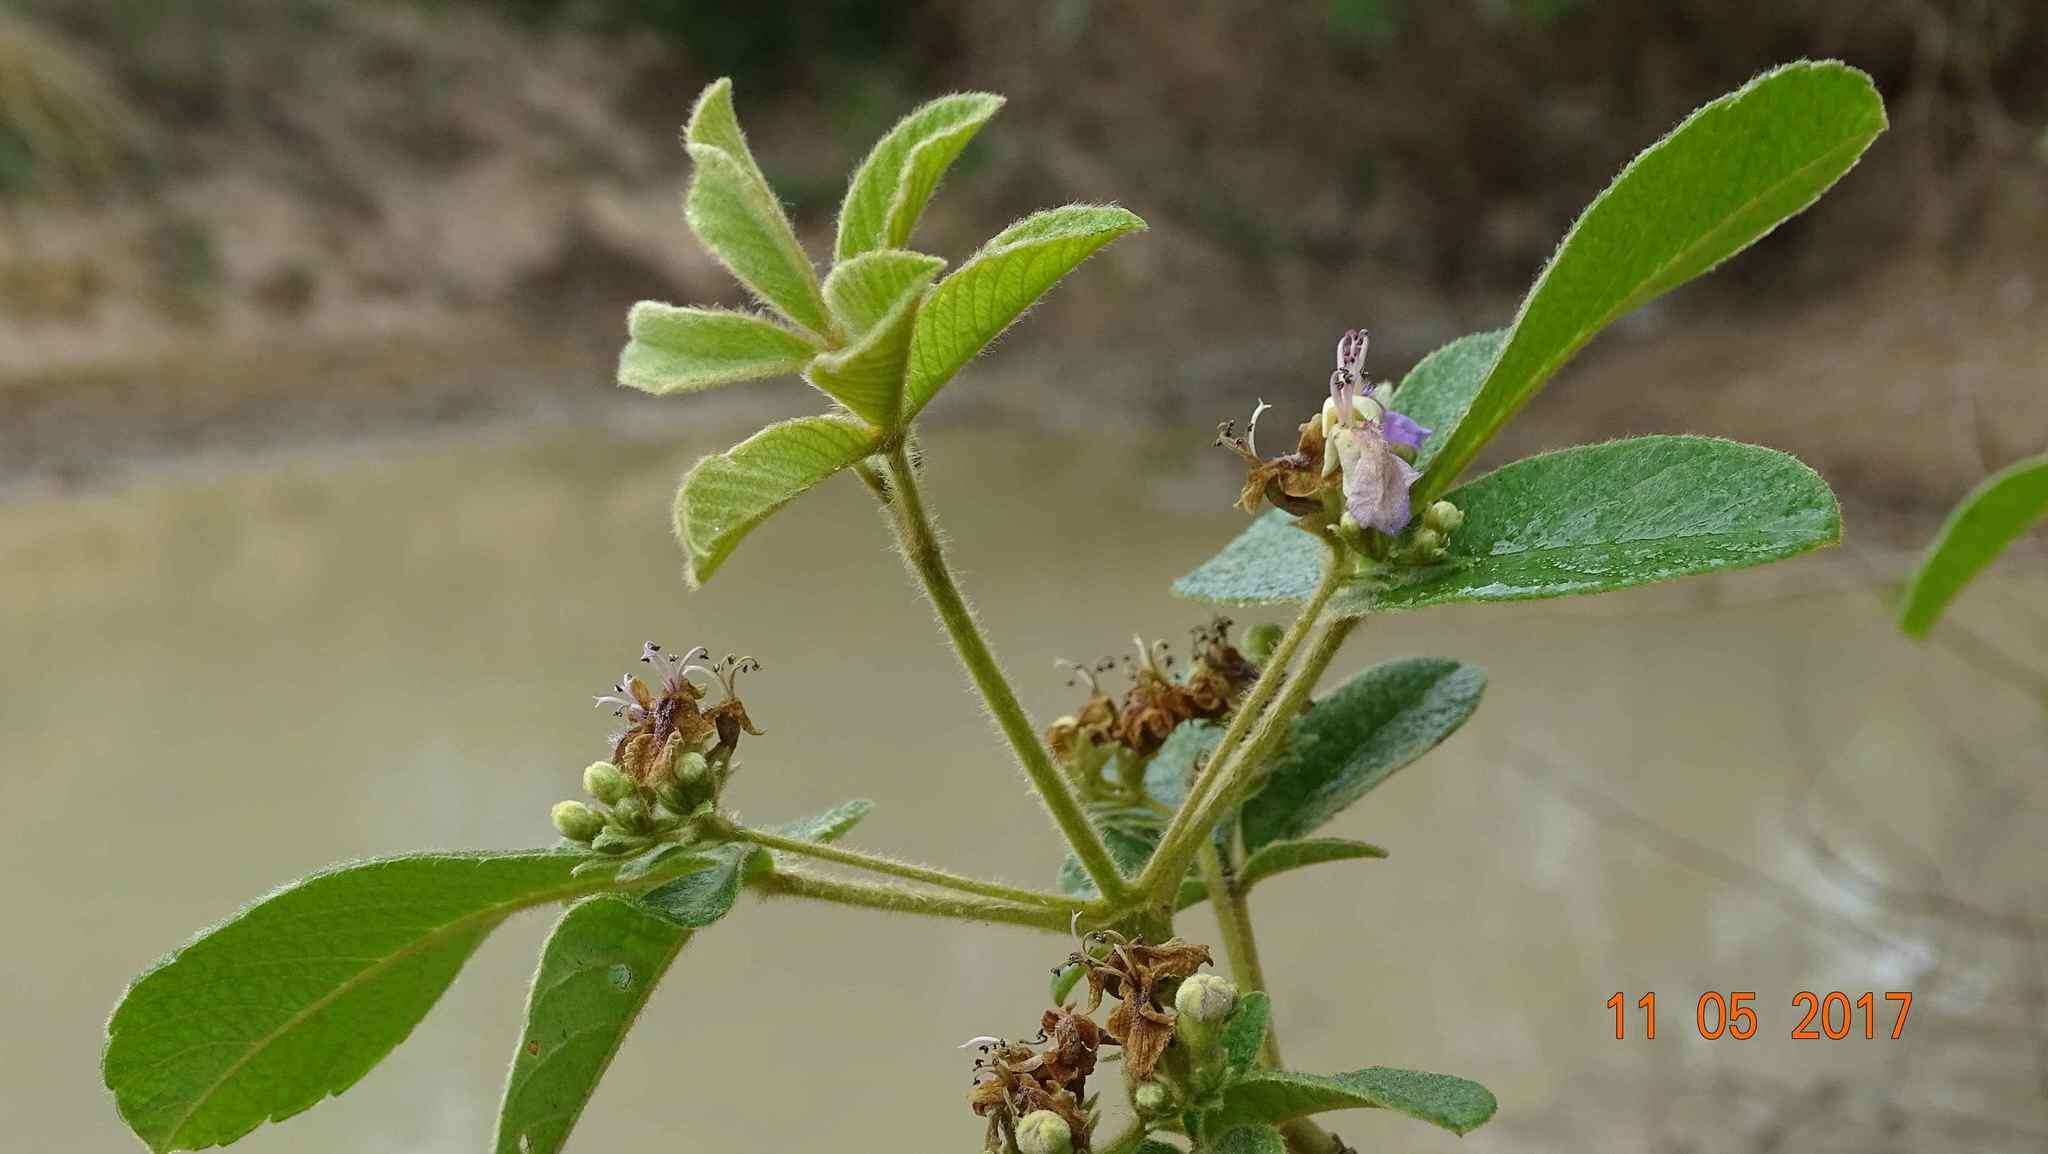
[[1044, 1132], [1428, 544], [1206, 999], [607, 782], [670, 794], [1262, 640], [691, 768], [1444, 517], [632, 815], [576, 821], [1152, 1099]]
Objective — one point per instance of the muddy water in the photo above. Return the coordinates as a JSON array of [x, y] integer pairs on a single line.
[[1743, 783]]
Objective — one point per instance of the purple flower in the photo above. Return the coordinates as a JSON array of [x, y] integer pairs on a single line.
[[1360, 432]]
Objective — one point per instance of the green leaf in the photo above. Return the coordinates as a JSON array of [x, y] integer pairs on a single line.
[[1247, 1140], [1270, 1096], [683, 350], [1272, 561], [892, 186], [863, 289], [1155, 1146], [725, 495], [1990, 518], [598, 969], [1245, 1033], [700, 898], [1720, 181], [867, 376], [971, 308], [1438, 390], [661, 856], [1281, 856], [742, 224], [1129, 832], [1355, 738], [829, 826], [1597, 518], [298, 996]]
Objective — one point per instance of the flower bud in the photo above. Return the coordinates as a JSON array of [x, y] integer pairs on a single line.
[[671, 796], [1262, 640], [1044, 1132], [612, 840], [576, 821], [1206, 999], [607, 782], [632, 815], [1152, 1099], [1429, 543], [1443, 517]]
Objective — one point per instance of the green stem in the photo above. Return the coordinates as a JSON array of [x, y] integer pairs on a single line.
[[1181, 832], [1234, 922], [905, 900], [922, 550], [876, 863]]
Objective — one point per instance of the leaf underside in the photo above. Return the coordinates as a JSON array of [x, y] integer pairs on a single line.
[[890, 188], [1991, 517], [724, 496], [1270, 1096], [685, 350]]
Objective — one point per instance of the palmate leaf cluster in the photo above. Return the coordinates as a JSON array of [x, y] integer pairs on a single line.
[[297, 996]]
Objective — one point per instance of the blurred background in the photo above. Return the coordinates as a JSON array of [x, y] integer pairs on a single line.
[[320, 519]]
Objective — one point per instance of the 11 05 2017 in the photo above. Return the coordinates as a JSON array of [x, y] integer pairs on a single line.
[[1831, 1016]]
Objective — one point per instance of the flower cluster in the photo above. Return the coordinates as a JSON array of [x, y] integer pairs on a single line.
[[1157, 701], [1014, 1082], [1354, 460], [671, 762]]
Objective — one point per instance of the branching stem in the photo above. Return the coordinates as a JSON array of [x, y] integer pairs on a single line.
[[945, 879], [906, 900]]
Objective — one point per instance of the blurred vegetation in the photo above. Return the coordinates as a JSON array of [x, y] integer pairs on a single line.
[[62, 125]]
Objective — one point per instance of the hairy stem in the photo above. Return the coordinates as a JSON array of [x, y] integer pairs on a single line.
[[1234, 922], [921, 549], [1182, 833], [906, 900], [945, 879]]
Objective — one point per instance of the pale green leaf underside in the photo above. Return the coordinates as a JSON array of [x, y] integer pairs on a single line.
[[741, 222], [1438, 390], [1247, 1140], [683, 350], [1589, 519], [1721, 180], [1356, 737], [1994, 514], [971, 308], [298, 996], [1245, 1032], [701, 897], [1129, 832], [892, 186], [862, 289], [597, 971], [1269, 1096], [867, 376], [829, 826], [1281, 856], [725, 495]]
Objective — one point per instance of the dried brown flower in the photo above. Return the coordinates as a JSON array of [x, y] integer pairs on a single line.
[[1011, 1079], [668, 717], [1141, 978], [1292, 481]]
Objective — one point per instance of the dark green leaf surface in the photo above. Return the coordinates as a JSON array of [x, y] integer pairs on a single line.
[[1268, 1096], [1245, 1032], [1995, 513], [1355, 738], [971, 308], [1270, 562], [684, 350], [698, 899], [1725, 177], [892, 185], [725, 495], [1247, 1140], [598, 969], [1129, 832], [298, 996], [1602, 517], [1439, 389], [1281, 856]]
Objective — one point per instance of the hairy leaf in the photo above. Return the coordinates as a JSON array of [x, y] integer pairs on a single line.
[[862, 290], [1720, 181], [1281, 856], [743, 225], [1990, 518], [1601, 517], [1271, 561], [1247, 1140], [1129, 832], [892, 186], [724, 496], [971, 308], [1269, 1096], [1245, 1033], [298, 996], [867, 376], [1438, 390], [598, 969], [1355, 738], [829, 826], [703, 896], [683, 350]]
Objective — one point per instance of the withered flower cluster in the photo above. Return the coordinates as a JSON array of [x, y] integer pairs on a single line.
[[1012, 1080], [1142, 978], [1157, 699], [668, 717]]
